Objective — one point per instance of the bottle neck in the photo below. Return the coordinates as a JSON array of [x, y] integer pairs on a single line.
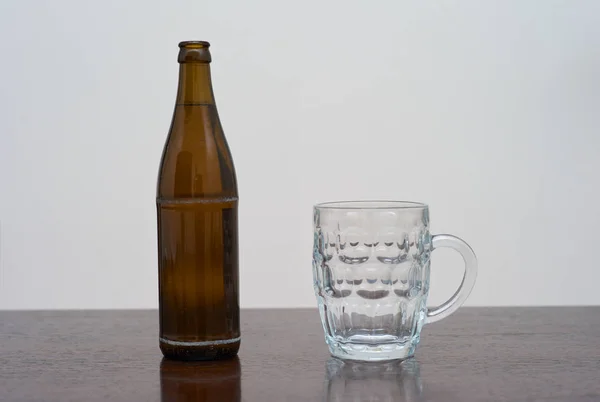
[[195, 84]]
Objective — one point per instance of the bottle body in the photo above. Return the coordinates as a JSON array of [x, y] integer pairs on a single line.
[[197, 219]]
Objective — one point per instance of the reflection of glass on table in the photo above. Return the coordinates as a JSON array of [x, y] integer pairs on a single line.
[[349, 381]]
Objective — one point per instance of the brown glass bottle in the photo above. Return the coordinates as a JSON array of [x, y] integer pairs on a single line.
[[197, 205], [201, 381]]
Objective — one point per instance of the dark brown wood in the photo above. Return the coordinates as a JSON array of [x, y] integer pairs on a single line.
[[477, 354]]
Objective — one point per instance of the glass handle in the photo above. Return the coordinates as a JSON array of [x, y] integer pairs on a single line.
[[468, 281]]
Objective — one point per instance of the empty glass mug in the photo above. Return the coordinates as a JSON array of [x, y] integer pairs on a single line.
[[371, 263]]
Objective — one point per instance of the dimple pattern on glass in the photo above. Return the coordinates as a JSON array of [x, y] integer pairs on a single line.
[[371, 279]]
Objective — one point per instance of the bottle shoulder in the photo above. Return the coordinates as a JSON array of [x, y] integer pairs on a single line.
[[196, 160]]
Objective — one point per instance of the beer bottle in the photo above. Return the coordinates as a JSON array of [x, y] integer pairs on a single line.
[[197, 208]]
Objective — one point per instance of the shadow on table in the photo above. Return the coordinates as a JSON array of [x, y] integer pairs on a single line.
[[215, 381], [356, 381]]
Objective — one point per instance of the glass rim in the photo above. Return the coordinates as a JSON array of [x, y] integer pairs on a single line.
[[371, 205]]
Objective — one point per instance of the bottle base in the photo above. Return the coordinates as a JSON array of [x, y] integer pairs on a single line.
[[197, 351]]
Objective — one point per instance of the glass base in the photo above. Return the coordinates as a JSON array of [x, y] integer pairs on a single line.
[[372, 352]]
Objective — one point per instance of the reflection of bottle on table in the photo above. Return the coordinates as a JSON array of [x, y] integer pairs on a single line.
[[211, 381], [381, 382]]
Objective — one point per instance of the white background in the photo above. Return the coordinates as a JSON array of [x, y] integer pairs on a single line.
[[487, 110]]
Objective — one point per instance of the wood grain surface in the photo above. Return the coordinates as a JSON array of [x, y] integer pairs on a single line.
[[477, 354]]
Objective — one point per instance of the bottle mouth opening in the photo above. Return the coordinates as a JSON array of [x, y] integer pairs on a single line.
[[194, 51], [194, 44]]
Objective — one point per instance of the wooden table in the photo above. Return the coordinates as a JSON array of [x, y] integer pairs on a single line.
[[477, 354]]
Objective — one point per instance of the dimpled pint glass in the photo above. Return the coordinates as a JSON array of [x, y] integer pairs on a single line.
[[371, 276]]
